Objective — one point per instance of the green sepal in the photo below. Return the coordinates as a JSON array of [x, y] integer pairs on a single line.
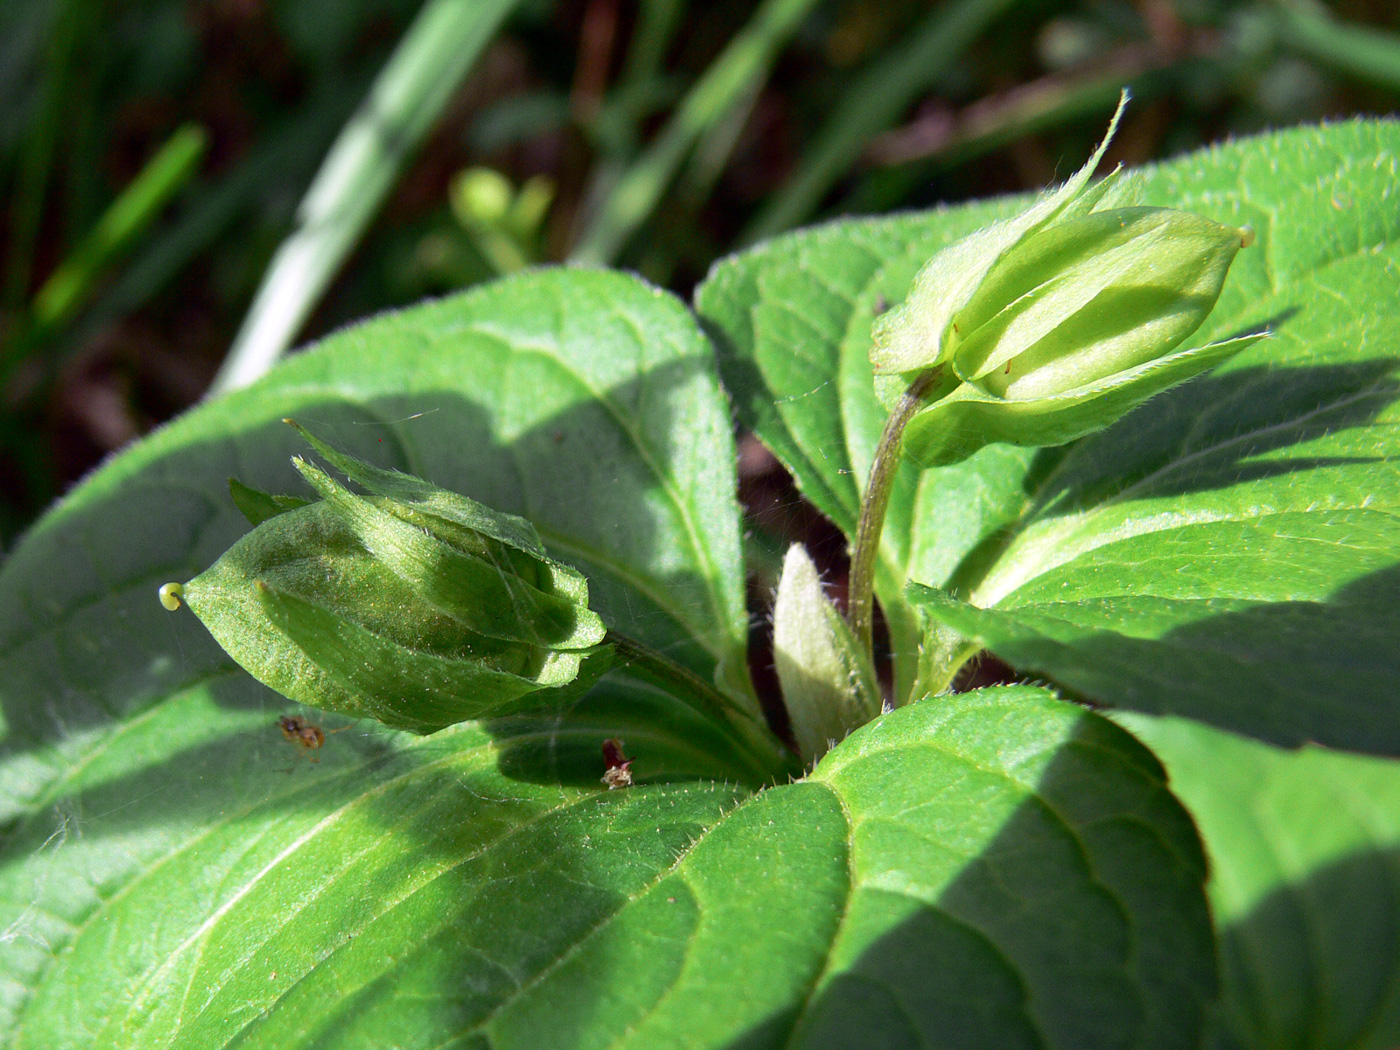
[[358, 672], [1127, 285], [419, 498], [970, 417], [482, 590], [467, 524], [302, 605], [913, 336], [828, 681], [258, 506]]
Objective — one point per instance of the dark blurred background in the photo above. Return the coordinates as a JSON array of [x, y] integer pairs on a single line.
[[164, 160]]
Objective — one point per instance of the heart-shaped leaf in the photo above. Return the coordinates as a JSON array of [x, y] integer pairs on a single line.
[[585, 401], [999, 869]]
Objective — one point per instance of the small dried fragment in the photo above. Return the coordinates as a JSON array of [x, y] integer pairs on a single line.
[[301, 732], [619, 766]]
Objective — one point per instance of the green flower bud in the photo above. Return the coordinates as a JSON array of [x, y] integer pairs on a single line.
[[408, 604], [829, 685], [1056, 322]]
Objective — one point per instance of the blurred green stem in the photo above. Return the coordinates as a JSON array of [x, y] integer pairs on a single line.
[[693, 188], [130, 214], [745, 63], [284, 158], [911, 155], [657, 22], [409, 94], [36, 164], [1368, 54], [892, 81], [72, 283]]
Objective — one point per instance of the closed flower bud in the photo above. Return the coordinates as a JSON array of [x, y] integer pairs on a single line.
[[408, 604], [1056, 322], [829, 685]]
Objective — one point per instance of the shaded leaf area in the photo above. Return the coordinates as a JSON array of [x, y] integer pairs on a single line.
[[1287, 672], [1063, 914], [931, 884], [1304, 852], [1227, 551], [584, 401]]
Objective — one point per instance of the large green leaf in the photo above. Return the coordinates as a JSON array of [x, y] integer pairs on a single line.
[[585, 401], [1000, 869], [1304, 853], [1228, 551]]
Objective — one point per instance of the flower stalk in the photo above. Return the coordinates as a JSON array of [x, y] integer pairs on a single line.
[[860, 604]]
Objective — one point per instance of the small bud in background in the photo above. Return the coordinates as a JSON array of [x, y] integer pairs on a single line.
[[829, 685], [505, 225], [1055, 323], [409, 604], [480, 195]]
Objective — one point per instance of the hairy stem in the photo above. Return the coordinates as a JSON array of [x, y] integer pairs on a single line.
[[764, 753], [860, 609]]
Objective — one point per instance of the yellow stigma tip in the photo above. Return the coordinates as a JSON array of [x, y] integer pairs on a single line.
[[170, 595]]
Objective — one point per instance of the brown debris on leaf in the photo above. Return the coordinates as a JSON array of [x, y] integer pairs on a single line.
[[619, 771], [304, 734]]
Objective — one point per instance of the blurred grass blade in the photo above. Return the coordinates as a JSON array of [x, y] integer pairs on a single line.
[[71, 23], [408, 95], [744, 64], [164, 175], [657, 22], [281, 160], [1367, 54], [71, 284], [893, 80], [693, 188]]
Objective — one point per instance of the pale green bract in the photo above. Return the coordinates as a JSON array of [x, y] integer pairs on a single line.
[[411, 605], [913, 336], [1054, 323], [829, 684]]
